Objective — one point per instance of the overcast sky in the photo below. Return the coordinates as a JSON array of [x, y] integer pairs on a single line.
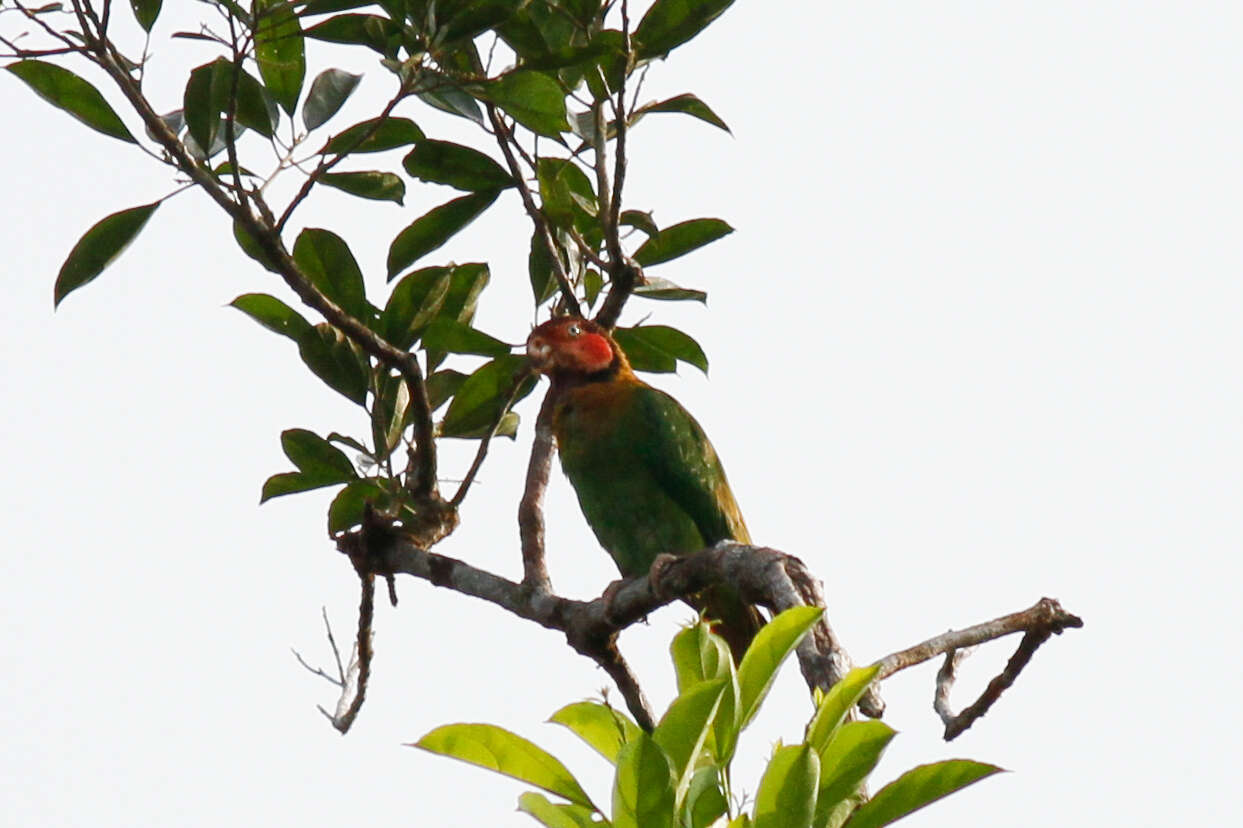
[[975, 341]]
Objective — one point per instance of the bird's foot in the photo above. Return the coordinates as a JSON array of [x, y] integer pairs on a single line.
[[609, 597], [656, 574]]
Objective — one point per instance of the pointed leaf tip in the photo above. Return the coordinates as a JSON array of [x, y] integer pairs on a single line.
[[99, 247]]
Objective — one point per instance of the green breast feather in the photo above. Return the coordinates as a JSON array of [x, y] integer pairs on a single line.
[[647, 479]]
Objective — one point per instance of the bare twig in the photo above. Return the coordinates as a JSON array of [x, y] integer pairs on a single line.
[[945, 682], [482, 451], [531, 507], [504, 140]]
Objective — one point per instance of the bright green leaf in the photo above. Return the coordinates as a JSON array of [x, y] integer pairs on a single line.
[[280, 51], [685, 727], [65, 90], [787, 794], [916, 788], [847, 760], [559, 815], [600, 726], [771, 646], [699, 656], [434, 228], [374, 136], [99, 247], [328, 92], [643, 789], [442, 162], [506, 753], [670, 23], [704, 802], [832, 709], [380, 186], [680, 239]]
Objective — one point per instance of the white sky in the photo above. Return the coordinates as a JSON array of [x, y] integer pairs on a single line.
[[974, 341]]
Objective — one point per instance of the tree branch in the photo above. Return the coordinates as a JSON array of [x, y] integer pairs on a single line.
[[531, 507]]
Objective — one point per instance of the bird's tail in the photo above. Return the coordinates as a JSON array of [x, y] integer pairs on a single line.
[[733, 619]]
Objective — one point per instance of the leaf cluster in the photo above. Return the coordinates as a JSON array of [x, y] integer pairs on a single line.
[[678, 776]]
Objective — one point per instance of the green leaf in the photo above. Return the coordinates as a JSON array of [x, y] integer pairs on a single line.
[[559, 815], [65, 90], [640, 220], [146, 11], [670, 23], [415, 300], [325, 259], [657, 348], [319, 464], [380, 135], [478, 402], [667, 291], [771, 646], [687, 103], [474, 17], [445, 94], [704, 802], [533, 99], [832, 709], [539, 269], [566, 195], [390, 411], [328, 91], [685, 727], [206, 95], [99, 247], [643, 790], [279, 51], [916, 788], [847, 760], [787, 794], [251, 247], [274, 315], [506, 753], [459, 338], [602, 727], [434, 228], [442, 162], [680, 239], [347, 508], [338, 362], [369, 30], [699, 656], [442, 385], [380, 186]]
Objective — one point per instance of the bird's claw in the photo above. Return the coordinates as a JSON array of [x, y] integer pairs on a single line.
[[608, 598], [656, 574]]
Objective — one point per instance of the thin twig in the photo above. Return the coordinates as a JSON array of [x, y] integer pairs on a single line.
[[482, 451]]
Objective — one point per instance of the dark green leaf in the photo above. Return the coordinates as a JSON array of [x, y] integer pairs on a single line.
[[679, 240], [560, 181], [642, 221], [916, 788], [312, 454], [468, 281], [250, 246], [458, 338], [507, 753], [560, 815], [434, 228], [442, 162], [291, 483], [667, 291], [254, 108], [442, 385], [65, 90], [279, 51], [390, 411], [657, 348], [643, 789], [390, 133], [325, 259], [670, 23], [475, 17], [338, 362], [414, 301], [99, 247], [787, 794], [347, 508], [446, 94], [334, 437], [539, 268], [372, 31], [593, 283], [770, 648], [274, 315], [373, 184], [307, 8], [687, 103], [851, 755], [478, 402], [146, 11], [204, 99], [599, 725], [533, 99], [328, 92]]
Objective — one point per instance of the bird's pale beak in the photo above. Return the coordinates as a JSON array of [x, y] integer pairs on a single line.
[[539, 352]]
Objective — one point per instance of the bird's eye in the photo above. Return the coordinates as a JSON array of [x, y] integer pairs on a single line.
[[574, 330]]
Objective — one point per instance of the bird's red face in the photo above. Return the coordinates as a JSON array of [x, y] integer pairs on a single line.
[[569, 345]]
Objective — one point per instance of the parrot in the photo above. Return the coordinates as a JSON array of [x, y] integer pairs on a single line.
[[647, 479]]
